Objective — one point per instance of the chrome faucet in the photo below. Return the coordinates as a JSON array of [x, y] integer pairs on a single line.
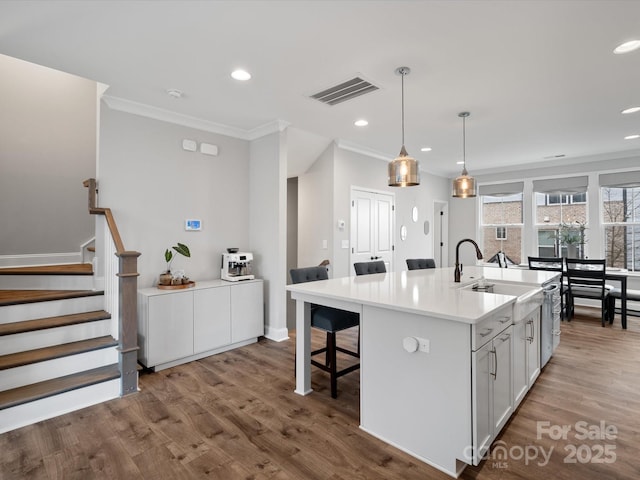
[[458, 271]]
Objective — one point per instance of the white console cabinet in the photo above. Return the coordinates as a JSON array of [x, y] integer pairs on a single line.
[[178, 326]]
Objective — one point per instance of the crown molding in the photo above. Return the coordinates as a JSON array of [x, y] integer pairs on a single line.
[[369, 152], [156, 113], [267, 129], [353, 147]]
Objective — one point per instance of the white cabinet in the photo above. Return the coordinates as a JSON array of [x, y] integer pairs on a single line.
[[526, 355], [211, 318], [502, 396], [171, 334], [178, 326], [492, 385], [246, 311]]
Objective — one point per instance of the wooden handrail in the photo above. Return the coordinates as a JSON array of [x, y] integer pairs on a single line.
[[94, 210], [127, 294]]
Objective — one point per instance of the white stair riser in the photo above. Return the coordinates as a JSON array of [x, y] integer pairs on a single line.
[[21, 342], [31, 311], [46, 282], [27, 414], [59, 367]]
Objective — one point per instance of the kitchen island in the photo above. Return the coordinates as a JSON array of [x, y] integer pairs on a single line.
[[436, 359]]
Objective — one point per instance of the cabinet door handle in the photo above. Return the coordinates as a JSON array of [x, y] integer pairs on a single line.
[[504, 338], [530, 337], [505, 319], [487, 332], [495, 363]]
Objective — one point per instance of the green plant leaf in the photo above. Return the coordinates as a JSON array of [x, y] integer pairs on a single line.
[[168, 255], [182, 249]]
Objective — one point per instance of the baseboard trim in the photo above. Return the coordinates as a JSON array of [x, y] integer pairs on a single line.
[[276, 334]]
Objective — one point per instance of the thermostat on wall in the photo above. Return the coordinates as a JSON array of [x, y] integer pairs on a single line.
[[192, 224]]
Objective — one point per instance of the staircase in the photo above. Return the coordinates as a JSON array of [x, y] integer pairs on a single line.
[[58, 347]]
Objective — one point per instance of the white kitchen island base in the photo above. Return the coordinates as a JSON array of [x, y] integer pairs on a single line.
[[436, 360], [425, 396]]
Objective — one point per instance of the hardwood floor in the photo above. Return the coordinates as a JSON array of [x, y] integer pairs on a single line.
[[235, 416]]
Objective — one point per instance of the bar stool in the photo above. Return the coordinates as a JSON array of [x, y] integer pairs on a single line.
[[331, 320], [367, 268], [420, 263]]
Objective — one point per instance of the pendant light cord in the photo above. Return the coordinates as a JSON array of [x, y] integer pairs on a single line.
[[464, 142], [402, 74]]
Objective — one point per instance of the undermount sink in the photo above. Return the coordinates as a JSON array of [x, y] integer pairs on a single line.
[[528, 297]]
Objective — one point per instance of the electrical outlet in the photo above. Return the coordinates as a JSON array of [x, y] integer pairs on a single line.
[[423, 344]]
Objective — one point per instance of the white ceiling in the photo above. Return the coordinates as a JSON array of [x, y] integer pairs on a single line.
[[539, 77]]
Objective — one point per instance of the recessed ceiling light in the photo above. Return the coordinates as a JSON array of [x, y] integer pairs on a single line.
[[630, 110], [241, 75], [627, 47], [631, 137], [361, 123], [460, 163], [425, 149], [174, 93]]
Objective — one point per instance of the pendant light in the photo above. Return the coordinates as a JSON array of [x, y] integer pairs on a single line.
[[464, 186], [403, 170]]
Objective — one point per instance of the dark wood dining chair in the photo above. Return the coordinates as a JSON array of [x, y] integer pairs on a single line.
[[330, 320], [552, 264], [367, 268], [420, 263], [586, 279]]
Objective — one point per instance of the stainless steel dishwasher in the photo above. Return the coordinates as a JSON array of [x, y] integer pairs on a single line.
[[549, 321]]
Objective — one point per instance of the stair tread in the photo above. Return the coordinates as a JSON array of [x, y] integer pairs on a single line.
[[52, 322], [17, 297], [56, 386], [56, 351], [66, 269]]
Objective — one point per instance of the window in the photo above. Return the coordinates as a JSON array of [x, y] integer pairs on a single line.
[[561, 216], [501, 222], [621, 221]]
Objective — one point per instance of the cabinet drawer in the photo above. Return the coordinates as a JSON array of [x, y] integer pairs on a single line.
[[488, 328]]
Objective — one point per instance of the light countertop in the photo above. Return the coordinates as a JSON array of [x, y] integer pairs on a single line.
[[426, 292]]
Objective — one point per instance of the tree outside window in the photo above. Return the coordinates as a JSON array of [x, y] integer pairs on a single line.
[[621, 219]]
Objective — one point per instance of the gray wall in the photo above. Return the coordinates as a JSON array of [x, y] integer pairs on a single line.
[[152, 185], [47, 148], [324, 198], [267, 181], [292, 244]]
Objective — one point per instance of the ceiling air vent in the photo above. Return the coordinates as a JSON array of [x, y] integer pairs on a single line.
[[345, 91]]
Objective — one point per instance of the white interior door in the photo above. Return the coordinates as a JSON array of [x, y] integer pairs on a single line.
[[372, 220]]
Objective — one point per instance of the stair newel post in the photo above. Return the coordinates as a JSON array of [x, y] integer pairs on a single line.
[[127, 320]]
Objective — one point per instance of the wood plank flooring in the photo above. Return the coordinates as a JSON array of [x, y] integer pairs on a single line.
[[235, 416]]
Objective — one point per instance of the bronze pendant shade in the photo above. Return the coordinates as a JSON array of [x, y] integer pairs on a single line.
[[403, 170], [464, 186]]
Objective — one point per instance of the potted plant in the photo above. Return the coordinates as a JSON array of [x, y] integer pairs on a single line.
[[167, 277]]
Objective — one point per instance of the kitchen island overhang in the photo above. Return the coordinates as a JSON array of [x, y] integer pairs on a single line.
[[423, 402]]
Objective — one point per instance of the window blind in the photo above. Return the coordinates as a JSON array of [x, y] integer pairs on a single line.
[[561, 185], [501, 189], [620, 179]]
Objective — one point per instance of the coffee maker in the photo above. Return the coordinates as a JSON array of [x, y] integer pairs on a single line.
[[236, 265]]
